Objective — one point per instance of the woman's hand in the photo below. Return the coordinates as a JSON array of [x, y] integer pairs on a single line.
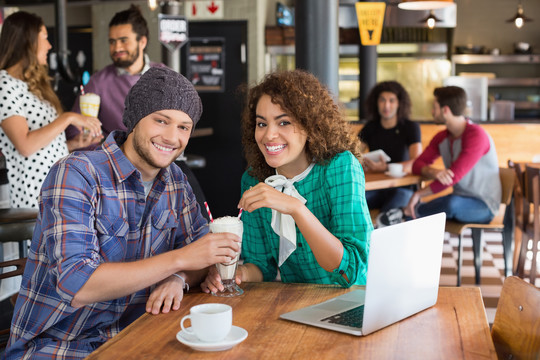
[[86, 124], [212, 283], [81, 141], [263, 195]]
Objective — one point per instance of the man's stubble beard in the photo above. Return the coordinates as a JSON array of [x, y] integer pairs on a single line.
[[130, 61]]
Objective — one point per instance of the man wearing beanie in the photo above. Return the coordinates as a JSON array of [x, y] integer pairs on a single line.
[[119, 230]]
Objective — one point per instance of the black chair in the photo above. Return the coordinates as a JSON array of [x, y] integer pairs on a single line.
[[194, 183]]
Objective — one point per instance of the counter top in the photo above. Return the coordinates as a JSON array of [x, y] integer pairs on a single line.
[[481, 122]]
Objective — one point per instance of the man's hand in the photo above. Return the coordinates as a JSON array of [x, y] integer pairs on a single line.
[[375, 166], [209, 250], [166, 296], [409, 209], [445, 176]]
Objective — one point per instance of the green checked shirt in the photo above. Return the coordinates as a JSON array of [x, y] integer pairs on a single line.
[[335, 194]]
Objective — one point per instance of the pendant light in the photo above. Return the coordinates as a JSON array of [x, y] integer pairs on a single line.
[[424, 4], [152, 4], [519, 19], [430, 20]]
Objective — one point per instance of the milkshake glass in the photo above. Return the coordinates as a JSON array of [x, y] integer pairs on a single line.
[[227, 271], [89, 104]]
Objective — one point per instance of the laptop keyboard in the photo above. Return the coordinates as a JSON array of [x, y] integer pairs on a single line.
[[353, 317]]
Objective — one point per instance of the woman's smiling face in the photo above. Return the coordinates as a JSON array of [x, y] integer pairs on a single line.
[[280, 138]]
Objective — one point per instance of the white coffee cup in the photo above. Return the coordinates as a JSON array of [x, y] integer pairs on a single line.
[[209, 322], [395, 169]]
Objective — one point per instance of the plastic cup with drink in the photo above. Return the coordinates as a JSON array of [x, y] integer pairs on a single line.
[[89, 104]]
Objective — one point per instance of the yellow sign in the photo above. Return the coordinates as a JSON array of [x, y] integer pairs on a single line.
[[370, 21]]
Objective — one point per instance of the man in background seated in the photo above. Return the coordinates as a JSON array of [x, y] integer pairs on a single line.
[[471, 167], [119, 230], [388, 109], [128, 37]]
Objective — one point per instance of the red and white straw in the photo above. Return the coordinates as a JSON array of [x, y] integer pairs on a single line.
[[240, 213], [82, 90], [208, 211]]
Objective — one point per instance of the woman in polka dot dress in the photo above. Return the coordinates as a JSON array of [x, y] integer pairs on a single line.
[[32, 122]]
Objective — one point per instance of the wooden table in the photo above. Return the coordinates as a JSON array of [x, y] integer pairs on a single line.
[[455, 328], [376, 181]]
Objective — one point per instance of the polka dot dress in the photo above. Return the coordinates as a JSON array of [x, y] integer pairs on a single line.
[[26, 174]]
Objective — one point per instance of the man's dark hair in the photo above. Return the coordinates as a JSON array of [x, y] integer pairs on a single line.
[[452, 96], [404, 109], [134, 17]]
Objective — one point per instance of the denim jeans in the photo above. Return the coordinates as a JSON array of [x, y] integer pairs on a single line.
[[386, 199], [460, 208]]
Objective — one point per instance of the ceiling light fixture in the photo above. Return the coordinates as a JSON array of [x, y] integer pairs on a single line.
[[519, 19], [424, 4], [152, 4], [430, 20]]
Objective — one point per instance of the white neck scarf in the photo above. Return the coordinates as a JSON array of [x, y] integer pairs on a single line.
[[282, 224]]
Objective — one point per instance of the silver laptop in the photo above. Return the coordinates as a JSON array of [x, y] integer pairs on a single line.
[[402, 279]]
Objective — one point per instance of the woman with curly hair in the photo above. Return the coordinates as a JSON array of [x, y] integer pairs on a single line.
[[303, 193], [31, 120]]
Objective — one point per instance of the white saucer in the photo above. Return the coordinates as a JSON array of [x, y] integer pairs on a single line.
[[395, 175], [236, 336]]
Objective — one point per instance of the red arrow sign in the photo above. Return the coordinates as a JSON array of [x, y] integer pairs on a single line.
[[213, 8]]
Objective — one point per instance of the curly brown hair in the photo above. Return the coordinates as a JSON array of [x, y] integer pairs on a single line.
[[304, 98], [372, 107]]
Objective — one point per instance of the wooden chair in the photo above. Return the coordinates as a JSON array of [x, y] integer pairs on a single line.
[[516, 327], [530, 225], [503, 222], [19, 270]]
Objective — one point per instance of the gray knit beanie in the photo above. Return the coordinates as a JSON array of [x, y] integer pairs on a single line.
[[161, 88]]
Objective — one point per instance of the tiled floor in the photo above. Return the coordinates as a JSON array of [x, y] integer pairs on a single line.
[[492, 272]]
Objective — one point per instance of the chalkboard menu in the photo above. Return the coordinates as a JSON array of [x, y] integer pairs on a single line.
[[206, 61]]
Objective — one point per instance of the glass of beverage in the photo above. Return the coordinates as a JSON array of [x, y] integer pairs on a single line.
[[227, 271]]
